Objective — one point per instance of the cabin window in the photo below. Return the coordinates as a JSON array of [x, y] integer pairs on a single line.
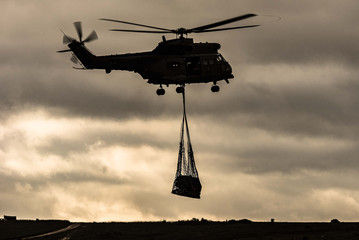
[[204, 63], [211, 62], [193, 65], [219, 58], [174, 64]]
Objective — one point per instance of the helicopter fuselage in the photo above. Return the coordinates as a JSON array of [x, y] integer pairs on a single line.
[[177, 61]]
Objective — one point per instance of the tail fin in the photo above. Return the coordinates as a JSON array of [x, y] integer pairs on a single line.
[[87, 59], [80, 52]]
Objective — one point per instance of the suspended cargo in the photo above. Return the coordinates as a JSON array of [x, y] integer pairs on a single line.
[[187, 181]]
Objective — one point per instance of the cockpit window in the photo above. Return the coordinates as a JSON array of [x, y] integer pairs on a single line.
[[219, 58], [174, 64]]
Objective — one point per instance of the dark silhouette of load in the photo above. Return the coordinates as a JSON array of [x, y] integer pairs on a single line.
[[187, 186], [187, 181]]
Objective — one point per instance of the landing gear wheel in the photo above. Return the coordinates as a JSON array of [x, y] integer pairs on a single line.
[[215, 88], [160, 92], [180, 89]]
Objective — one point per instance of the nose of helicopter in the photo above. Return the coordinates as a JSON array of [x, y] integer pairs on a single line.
[[228, 71], [228, 68]]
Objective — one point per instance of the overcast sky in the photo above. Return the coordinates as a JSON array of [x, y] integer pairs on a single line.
[[280, 141]]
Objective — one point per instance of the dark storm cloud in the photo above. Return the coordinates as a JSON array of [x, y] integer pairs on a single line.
[[311, 103], [109, 137], [308, 32], [326, 40], [261, 151], [284, 129], [36, 183], [91, 94], [84, 97], [34, 75], [308, 35], [307, 106], [287, 160]]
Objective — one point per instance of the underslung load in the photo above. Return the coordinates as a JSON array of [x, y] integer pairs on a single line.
[[187, 181]]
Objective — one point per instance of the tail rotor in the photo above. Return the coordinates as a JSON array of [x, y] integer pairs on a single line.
[[91, 37], [68, 40], [78, 27]]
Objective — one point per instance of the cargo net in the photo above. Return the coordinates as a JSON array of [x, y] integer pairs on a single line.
[[187, 181]]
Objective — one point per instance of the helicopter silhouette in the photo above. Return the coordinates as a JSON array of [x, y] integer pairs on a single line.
[[178, 61]]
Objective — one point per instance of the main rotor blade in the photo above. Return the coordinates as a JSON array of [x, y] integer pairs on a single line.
[[224, 29], [66, 39], [140, 31], [91, 37], [78, 28], [135, 24], [217, 24], [62, 51]]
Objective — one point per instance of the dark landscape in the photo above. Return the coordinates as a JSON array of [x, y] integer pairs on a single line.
[[193, 229]]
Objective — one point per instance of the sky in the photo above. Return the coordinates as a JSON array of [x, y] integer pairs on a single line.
[[280, 141]]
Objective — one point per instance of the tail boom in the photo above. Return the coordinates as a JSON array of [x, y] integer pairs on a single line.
[[87, 59]]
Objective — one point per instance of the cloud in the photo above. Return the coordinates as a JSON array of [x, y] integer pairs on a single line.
[[308, 33], [280, 141]]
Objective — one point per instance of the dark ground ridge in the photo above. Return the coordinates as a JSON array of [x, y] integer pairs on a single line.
[[192, 229]]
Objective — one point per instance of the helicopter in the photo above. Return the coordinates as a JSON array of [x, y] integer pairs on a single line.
[[177, 61]]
